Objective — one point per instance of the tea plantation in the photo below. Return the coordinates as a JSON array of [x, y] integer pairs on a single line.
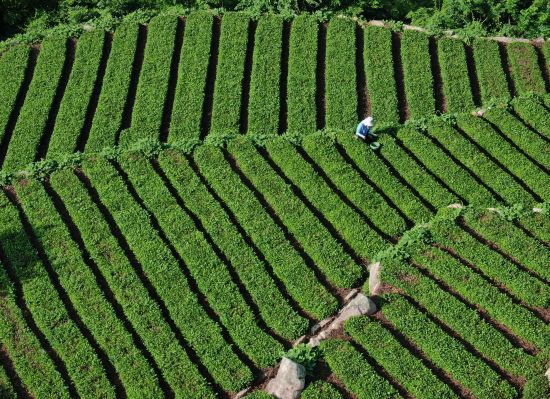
[[181, 202]]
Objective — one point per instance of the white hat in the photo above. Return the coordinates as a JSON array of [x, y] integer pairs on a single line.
[[368, 121]]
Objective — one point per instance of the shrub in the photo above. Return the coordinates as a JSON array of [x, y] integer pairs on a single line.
[[35, 113], [230, 72], [454, 72], [525, 68], [302, 75], [341, 89], [264, 104], [108, 118], [379, 67], [419, 85], [490, 71], [305, 355], [153, 80], [189, 98], [73, 109]]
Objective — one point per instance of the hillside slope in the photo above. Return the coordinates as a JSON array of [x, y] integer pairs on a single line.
[[203, 203], [179, 79]]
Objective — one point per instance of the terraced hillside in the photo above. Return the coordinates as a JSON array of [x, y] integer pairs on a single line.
[[463, 313], [181, 79], [158, 252]]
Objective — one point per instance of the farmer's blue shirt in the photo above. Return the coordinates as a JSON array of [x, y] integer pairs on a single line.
[[362, 130]]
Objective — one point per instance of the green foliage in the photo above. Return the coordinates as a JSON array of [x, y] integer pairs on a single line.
[[467, 153], [458, 315], [520, 283], [490, 72], [110, 153], [149, 148], [263, 106], [302, 73], [45, 305], [533, 112], [273, 307], [438, 162], [220, 139], [316, 240], [12, 72], [153, 81], [241, 153], [355, 371], [107, 121], [226, 110], [448, 118], [73, 109], [525, 68], [536, 387], [23, 347], [364, 197], [409, 371], [193, 68], [186, 146], [138, 306], [305, 355], [33, 117], [516, 163], [379, 69], [286, 262], [303, 200], [182, 304], [418, 236], [340, 79], [82, 289], [349, 224], [496, 228], [521, 135], [483, 166], [454, 73], [483, 18], [546, 54], [260, 140], [545, 208], [321, 390], [259, 395], [476, 289], [446, 352], [6, 178], [419, 89], [512, 212], [538, 224], [42, 169], [208, 270], [415, 174], [376, 171], [70, 18], [6, 388], [467, 18]]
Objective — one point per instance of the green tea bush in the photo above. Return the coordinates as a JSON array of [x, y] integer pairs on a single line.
[[264, 104], [188, 106], [182, 304], [302, 75], [73, 109], [419, 85], [340, 75], [379, 67], [35, 113], [454, 73], [107, 121], [525, 68]]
